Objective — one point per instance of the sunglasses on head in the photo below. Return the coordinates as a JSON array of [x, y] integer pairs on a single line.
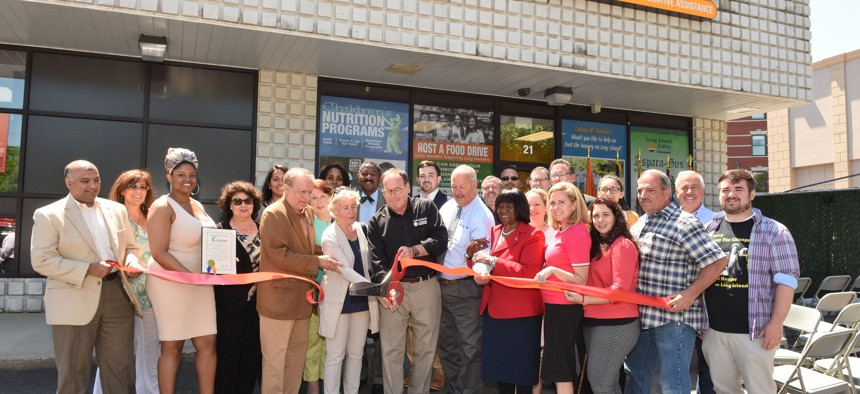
[[240, 201]]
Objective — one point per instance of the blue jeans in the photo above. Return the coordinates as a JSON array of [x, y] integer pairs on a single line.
[[671, 346]]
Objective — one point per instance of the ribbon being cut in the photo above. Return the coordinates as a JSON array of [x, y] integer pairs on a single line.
[[391, 287], [230, 279]]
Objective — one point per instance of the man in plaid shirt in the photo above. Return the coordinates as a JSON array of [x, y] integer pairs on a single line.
[[748, 303], [679, 260]]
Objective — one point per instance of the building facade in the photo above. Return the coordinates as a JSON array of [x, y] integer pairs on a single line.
[[746, 147], [816, 146], [252, 83]]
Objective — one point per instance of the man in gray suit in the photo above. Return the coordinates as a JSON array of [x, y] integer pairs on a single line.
[[88, 303]]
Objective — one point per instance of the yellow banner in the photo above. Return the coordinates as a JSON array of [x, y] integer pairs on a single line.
[[703, 8]]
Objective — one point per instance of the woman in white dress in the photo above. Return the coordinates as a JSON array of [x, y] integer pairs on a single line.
[[181, 311]]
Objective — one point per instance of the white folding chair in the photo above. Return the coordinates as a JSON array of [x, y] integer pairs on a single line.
[[834, 302], [799, 379], [800, 318], [802, 287], [855, 287], [831, 283], [842, 365], [847, 319]]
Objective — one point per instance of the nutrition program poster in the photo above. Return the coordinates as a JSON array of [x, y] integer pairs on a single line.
[[451, 137], [606, 142], [352, 131]]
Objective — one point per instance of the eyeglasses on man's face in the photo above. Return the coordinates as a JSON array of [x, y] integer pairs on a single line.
[[559, 175], [510, 178], [394, 191]]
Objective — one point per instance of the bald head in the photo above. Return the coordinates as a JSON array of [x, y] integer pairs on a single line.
[[83, 181]]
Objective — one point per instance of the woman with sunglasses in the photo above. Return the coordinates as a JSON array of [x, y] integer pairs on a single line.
[[611, 187], [133, 189], [240, 360]]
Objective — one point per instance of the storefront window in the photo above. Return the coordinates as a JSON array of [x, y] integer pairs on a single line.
[[10, 151], [526, 139], [13, 66]]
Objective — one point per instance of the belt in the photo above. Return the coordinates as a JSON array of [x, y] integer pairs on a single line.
[[453, 281], [111, 276], [418, 279]]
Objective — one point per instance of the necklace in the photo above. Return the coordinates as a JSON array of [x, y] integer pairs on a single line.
[[139, 214], [506, 233], [565, 228]]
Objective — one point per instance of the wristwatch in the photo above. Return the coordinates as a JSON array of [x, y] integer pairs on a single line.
[[415, 251]]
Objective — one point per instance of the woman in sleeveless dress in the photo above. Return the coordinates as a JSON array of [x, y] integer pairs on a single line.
[[182, 311]]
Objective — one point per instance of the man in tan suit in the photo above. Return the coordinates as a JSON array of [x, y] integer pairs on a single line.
[[287, 246], [87, 302]]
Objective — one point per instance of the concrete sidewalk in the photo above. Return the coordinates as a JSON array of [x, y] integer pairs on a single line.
[[25, 342]]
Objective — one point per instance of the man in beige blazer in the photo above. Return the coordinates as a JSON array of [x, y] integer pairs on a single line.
[[287, 246], [87, 302]]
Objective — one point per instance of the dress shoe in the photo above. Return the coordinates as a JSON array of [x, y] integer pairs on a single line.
[[437, 382], [377, 389]]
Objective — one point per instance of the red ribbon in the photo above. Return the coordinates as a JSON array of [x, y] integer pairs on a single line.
[[524, 283], [229, 279]]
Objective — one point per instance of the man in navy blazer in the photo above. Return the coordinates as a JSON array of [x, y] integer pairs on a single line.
[[429, 177]]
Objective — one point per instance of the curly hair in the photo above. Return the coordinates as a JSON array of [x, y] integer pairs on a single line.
[[128, 178], [232, 188], [619, 228]]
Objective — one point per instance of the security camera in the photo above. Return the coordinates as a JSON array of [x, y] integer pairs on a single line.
[[524, 92]]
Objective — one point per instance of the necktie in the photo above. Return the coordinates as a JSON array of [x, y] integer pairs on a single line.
[[366, 198]]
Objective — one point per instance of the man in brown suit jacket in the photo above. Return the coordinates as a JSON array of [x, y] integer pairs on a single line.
[[287, 246]]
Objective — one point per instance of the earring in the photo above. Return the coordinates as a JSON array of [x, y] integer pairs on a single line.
[[122, 199], [196, 191]]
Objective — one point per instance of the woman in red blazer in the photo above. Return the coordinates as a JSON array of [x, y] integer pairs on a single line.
[[511, 317]]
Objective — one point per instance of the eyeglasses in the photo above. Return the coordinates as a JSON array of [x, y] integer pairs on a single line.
[[612, 190], [510, 178], [538, 179], [392, 191], [139, 187], [240, 201], [559, 175]]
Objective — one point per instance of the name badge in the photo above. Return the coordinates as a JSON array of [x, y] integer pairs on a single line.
[[419, 222]]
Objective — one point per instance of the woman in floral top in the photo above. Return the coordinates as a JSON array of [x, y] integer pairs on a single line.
[[240, 361], [134, 190]]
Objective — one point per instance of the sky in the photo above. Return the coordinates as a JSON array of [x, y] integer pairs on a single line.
[[835, 28]]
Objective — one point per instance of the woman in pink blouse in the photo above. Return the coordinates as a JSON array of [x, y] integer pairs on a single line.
[[566, 261], [611, 328]]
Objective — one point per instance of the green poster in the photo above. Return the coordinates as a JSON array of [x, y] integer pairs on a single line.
[[657, 146]]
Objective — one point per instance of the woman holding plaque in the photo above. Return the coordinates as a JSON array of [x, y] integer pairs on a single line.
[[567, 260], [240, 361], [345, 319], [511, 317], [182, 311]]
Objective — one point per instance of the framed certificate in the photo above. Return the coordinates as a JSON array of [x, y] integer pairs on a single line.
[[219, 251]]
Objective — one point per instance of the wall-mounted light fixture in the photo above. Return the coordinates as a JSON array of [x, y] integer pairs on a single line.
[[558, 95], [152, 49]]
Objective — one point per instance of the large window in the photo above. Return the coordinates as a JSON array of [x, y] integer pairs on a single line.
[[120, 114], [759, 145]]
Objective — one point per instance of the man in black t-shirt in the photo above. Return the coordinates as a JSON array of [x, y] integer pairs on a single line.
[[748, 303]]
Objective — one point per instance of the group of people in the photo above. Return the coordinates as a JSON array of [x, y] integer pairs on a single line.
[[456, 330]]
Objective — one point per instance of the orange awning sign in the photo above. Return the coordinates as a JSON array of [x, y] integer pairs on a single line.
[[702, 8]]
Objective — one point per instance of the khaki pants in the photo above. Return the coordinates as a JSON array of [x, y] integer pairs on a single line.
[[283, 343], [734, 356]]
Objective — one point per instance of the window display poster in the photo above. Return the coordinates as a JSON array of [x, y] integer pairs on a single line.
[[528, 140], [363, 129], [605, 140], [451, 137], [657, 146]]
